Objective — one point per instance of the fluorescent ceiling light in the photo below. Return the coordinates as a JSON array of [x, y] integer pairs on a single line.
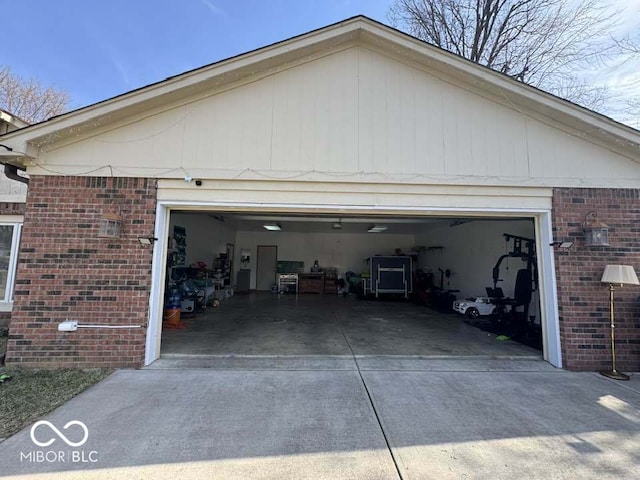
[[272, 227], [376, 228]]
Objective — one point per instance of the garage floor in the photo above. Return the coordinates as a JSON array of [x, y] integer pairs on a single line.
[[317, 325]]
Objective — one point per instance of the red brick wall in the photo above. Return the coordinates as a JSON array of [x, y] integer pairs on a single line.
[[8, 208], [583, 300], [66, 271]]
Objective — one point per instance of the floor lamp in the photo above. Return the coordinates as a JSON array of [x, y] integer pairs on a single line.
[[616, 275]]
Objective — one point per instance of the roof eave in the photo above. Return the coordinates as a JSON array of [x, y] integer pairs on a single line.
[[594, 126]]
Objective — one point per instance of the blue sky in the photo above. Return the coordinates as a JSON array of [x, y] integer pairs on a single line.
[[96, 49]]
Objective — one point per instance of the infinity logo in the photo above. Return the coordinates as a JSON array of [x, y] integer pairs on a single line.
[[59, 433]]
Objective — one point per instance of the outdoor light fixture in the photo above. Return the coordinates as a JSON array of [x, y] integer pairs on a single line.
[[337, 225], [560, 244], [110, 225], [272, 227], [616, 275], [376, 228], [596, 233], [147, 240]]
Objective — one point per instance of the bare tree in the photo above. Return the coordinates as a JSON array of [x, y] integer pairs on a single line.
[[28, 99], [545, 43]]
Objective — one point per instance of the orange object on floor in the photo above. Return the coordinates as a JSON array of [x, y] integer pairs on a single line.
[[172, 318]]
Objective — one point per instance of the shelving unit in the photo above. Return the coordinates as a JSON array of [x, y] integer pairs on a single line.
[[287, 282], [221, 264]]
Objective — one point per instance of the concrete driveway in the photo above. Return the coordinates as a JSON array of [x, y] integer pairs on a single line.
[[317, 418]]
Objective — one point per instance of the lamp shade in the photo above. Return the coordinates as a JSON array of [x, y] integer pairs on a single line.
[[620, 275]]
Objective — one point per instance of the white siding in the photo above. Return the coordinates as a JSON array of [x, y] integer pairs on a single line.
[[354, 115], [12, 191]]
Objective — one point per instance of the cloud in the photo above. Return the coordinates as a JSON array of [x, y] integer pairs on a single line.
[[116, 62], [217, 11]]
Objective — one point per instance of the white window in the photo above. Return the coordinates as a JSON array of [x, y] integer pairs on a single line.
[[9, 245]]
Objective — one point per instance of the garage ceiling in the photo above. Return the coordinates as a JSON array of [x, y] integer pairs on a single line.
[[252, 222]]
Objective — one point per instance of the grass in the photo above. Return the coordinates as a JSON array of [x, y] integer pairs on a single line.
[[32, 393]]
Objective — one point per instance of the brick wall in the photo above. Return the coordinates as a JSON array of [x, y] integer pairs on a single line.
[[583, 300], [8, 208], [66, 271]]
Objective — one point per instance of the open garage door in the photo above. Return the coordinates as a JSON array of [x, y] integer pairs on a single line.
[[300, 283]]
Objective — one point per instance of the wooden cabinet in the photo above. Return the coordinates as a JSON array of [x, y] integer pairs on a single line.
[[330, 284], [311, 283]]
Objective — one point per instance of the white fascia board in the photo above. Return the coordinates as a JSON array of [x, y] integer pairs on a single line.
[[12, 119]]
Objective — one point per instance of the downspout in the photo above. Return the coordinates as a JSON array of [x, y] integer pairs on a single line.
[[11, 171]]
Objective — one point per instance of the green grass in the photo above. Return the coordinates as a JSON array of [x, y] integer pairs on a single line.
[[32, 393]]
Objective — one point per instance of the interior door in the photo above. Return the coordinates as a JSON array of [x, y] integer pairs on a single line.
[[266, 266]]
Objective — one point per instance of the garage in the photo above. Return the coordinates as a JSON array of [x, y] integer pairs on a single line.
[[301, 284], [354, 143]]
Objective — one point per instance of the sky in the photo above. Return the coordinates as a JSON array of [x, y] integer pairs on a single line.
[[97, 49]]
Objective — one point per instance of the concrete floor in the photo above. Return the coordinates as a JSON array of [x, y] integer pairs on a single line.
[[446, 422], [328, 325]]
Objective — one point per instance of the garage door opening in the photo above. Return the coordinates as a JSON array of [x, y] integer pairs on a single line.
[[242, 283]]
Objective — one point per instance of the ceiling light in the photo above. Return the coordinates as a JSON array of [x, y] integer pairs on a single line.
[[376, 228], [272, 227]]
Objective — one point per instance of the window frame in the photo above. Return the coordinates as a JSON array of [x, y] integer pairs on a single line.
[[6, 302]]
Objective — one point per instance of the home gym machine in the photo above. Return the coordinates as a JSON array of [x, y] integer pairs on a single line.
[[507, 309]]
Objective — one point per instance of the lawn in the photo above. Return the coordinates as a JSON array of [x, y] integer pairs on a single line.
[[30, 393]]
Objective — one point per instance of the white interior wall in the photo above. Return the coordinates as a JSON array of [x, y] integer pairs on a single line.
[[346, 252], [206, 236], [470, 251]]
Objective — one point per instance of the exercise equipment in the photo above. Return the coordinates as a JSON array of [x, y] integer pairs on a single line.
[[526, 282]]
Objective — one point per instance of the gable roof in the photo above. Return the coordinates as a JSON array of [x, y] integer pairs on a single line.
[[255, 64]]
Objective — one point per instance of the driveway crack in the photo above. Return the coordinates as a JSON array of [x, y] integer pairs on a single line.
[[369, 396]]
